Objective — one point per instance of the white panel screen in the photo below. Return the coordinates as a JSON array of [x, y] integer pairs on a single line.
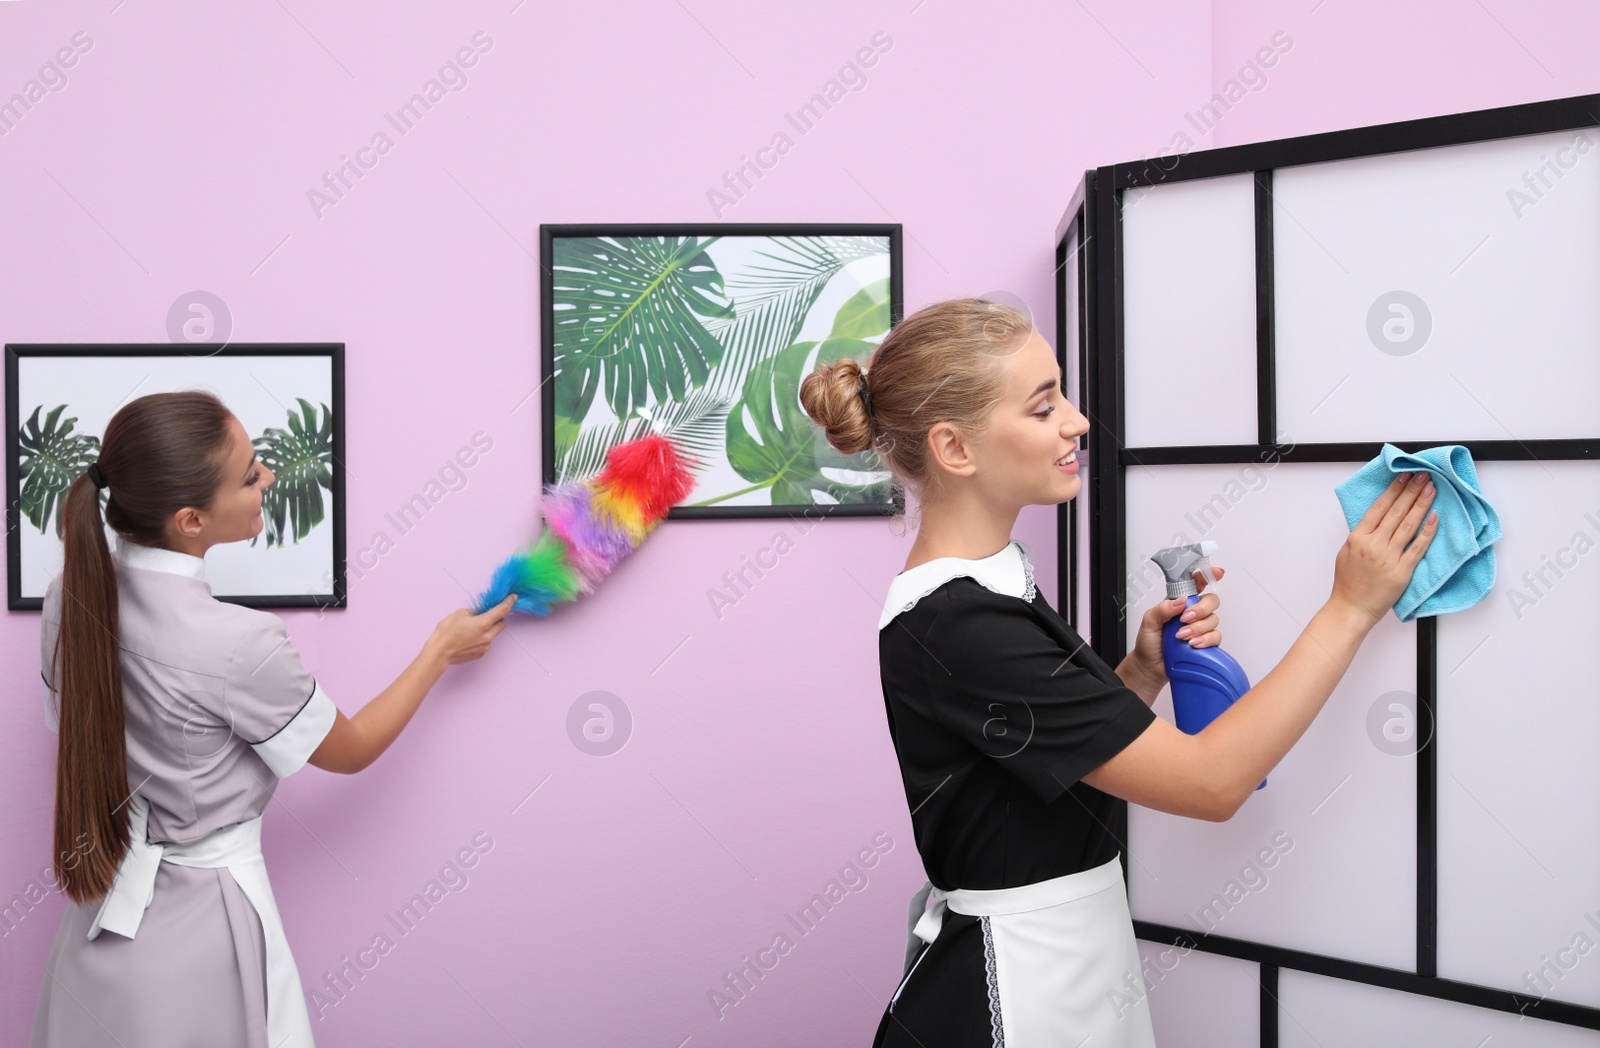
[[1314, 1012], [1519, 783], [1189, 296], [1324, 858], [1422, 297], [1199, 998], [1430, 295]]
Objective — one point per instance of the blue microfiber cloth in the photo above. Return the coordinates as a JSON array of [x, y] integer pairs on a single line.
[[1458, 569]]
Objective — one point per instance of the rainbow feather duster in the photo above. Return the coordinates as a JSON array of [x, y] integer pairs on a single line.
[[589, 526]]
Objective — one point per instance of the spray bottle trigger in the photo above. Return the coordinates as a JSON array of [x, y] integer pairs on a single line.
[[1203, 566]]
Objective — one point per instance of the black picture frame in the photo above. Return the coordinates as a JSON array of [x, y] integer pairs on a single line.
[[1097, 210], [549, 233], [334, 596]]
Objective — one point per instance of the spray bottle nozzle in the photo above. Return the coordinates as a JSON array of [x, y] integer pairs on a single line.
[[1179, 564]]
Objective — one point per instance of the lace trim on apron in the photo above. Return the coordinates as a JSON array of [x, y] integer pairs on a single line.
[[995, 1028]]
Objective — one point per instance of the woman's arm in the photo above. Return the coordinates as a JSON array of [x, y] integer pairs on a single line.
[[1210, 775], [1250, 737], [1143, 669], [355, 742], [1136, 677]]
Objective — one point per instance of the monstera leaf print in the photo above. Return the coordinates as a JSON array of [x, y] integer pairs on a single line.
[[301, 457], [694, 425], [774, 444], [865, 315], [52, 457], [788, 452], [630, 314], [775, 295]]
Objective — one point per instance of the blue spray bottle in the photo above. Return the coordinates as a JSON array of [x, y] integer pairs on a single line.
[[1205, 681]]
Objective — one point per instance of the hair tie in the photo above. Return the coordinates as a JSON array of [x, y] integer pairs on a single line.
[[866, 397], [94, 475]]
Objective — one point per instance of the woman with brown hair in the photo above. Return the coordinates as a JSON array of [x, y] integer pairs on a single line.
[[1014, 738], [176, 715]]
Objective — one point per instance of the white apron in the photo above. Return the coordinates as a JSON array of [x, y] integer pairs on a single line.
[[238, 849], [1062, 965]]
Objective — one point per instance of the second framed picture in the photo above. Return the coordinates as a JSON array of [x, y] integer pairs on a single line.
[[703, 333]]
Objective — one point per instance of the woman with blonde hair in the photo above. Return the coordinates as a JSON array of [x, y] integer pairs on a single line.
[[176, 715], [1014, 738]]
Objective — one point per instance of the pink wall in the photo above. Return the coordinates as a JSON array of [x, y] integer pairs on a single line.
[[179, 155]]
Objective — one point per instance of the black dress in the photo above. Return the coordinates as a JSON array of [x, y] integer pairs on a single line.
[[997, 708]]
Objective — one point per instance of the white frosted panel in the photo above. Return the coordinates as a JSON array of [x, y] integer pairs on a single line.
[[1317, 1012], [1324, 858], [1519, 785], [1085, 593], [1199, 1000], [1070, 275], [1189, 295], [1436, 243]]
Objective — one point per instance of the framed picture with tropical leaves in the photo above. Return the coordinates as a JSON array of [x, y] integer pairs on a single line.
[[703, 333], [290, 399]]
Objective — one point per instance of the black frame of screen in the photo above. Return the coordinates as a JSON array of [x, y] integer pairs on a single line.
[[1076, 226], [1097, 207]]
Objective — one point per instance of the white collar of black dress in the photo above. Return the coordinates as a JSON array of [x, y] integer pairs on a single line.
[[151, 558], [1010, 572]]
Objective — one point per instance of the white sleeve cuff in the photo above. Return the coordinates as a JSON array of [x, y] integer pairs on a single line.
[[287, 750]]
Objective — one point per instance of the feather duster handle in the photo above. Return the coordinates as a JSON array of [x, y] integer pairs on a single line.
[[589, 526]]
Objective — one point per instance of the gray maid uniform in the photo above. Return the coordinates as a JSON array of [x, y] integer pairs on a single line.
[[187, 949]]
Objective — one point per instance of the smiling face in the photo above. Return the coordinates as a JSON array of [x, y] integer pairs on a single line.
[[1017, 460], [235, 510]]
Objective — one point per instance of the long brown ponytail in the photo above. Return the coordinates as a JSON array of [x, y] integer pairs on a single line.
[[160, 453]]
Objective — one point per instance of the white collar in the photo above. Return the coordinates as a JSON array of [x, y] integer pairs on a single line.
[[152, 558], [1010, 572]]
